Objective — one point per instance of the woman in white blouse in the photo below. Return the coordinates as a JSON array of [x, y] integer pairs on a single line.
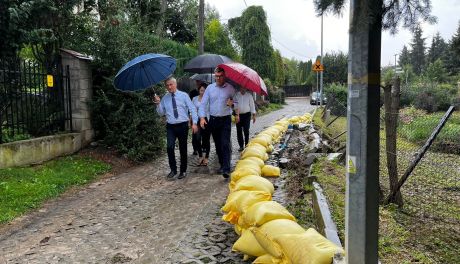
[[201, 140]]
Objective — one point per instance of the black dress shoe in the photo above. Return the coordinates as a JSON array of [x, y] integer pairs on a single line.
[[195, 152], [171, 175], [226, 175], [240, 149], [182, 175]]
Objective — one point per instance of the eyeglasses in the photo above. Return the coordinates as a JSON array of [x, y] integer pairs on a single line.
[[218, 76]]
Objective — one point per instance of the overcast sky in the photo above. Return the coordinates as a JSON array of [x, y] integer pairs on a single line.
[[296, 30]]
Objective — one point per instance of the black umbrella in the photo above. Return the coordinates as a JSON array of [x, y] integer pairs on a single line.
[[205, 63], [203, 77]]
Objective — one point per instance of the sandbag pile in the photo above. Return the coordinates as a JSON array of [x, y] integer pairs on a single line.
[[268, 231]]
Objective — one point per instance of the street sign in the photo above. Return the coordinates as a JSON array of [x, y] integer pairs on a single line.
[[317, 67], [50, 80]]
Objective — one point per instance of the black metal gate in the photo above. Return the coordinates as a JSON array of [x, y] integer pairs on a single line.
[[33, 101], [297, 90]]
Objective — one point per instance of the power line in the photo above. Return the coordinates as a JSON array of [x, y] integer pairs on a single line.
[[297, 53], [245, 3]]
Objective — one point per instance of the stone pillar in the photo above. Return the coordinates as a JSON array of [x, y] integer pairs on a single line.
[[81, 89]]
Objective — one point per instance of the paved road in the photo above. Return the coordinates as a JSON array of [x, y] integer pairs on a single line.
[[135, 217]]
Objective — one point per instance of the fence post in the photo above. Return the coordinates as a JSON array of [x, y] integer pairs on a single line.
[[81, 91]]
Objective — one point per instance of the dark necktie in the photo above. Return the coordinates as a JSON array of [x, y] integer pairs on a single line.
[[176, 114]]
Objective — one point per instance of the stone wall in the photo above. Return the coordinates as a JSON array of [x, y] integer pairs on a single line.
[[37, 150]]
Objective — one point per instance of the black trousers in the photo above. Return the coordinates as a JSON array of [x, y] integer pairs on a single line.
[[180, 132], [243, 127], [200, 141], [221, 129]]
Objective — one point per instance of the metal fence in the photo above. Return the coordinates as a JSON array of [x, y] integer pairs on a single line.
[[428, 218], [31, 102], [297, 90]]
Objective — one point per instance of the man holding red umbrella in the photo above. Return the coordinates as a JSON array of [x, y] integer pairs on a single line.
[[219, 97]]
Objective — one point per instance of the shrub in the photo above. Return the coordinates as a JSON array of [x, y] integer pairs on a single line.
[[276, 95], [128, 122], [336, 95], [435, 97]]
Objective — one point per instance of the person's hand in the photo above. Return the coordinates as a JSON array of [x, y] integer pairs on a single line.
[[237, 119], [202, 122], [229, 102], [156, 99], [253, 119], [194, 128]]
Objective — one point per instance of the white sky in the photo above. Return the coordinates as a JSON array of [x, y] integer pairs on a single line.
[[296, 30]]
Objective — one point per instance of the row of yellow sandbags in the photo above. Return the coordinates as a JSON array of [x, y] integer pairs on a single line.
[[306, 118], [267, 230]]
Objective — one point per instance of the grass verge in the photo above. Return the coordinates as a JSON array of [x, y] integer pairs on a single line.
[[26, 188]]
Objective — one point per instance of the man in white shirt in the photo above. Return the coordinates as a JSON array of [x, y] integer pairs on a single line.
[[245, 111]]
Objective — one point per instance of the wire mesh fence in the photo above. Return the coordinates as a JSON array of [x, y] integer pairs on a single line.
[[425, 217]]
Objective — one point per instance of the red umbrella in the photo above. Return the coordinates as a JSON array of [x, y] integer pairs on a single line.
[[244, 76]]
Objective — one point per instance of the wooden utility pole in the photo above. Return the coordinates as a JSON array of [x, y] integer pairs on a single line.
[[201, 27]]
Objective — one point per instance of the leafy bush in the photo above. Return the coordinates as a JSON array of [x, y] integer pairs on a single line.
[[275, 94], [336, 95], [128, 121], [428, 96]]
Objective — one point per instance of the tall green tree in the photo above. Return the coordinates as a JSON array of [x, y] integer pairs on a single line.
[[417, 53], [436, 72], [279, 74], [437, 50], [335, 68], [404, 57], [252, 34], [453, 53], [217, 40]]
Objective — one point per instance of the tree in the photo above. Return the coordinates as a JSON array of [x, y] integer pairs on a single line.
[[279, 76], [404, 57], [436, 72], [335, 68], [252, 34], [417, 53], [437, 50], [217, 40], [453, 53]]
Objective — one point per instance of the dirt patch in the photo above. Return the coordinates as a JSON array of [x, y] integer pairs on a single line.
[[118, 162]]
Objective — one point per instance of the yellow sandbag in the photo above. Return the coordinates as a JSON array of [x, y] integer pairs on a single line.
[[238, 229], [254, 183], [254, 146], [248, 245], [231, 217], [270, 171], [240, 173], [259, 161], [262, 139], [244, 199], [254, 152], [270, 148], [263, 212], [244, 163], [307, 248], [265, 259], [266, 234]]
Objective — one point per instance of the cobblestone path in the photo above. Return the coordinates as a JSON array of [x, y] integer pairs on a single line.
[[136, 216]]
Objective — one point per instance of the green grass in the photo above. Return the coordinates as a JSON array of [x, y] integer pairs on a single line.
[[334, 129], [23, 189]]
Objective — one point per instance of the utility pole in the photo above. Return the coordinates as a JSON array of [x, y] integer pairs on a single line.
[[362, 195], [321, 74], [396, 65], [201, 27]]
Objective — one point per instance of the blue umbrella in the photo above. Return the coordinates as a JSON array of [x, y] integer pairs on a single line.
[[144, 71]]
